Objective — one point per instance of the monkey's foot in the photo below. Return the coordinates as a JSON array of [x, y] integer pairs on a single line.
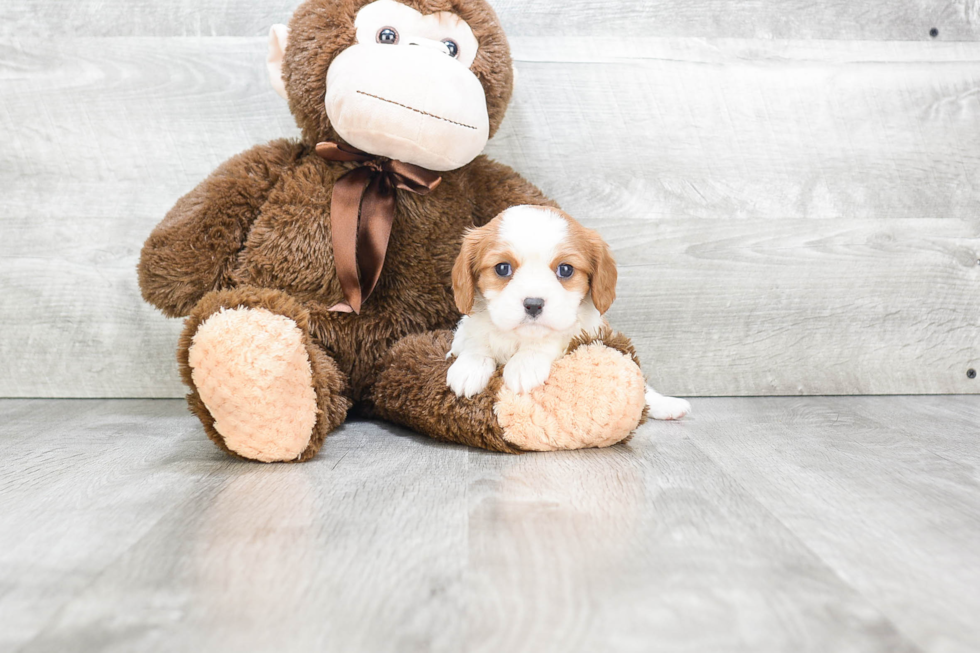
[[594, 397], [261, 387], [253, 374]]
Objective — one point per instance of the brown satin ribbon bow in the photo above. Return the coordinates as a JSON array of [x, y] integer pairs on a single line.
[[369, 191]]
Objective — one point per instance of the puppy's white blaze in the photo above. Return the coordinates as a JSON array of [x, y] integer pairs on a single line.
[[533, 231]]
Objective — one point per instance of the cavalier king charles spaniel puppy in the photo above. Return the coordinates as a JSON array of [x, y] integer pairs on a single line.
[[527, 283]]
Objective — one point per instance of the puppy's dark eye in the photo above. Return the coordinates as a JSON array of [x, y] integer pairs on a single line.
[[503, 269], [388, 35], [453, 47], [565, 271]]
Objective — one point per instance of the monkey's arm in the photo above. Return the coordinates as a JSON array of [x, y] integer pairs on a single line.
[[193, 250], [497, 187], [593, 398]]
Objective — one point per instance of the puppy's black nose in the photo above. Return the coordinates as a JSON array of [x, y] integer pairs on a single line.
[[533, 306]]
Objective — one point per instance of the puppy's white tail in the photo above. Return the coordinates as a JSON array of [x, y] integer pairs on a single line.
[[666, 408]]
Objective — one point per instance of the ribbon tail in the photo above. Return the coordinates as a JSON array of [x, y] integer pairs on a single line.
[[344, 209], [414, 178], [333, 151], [377, 216]]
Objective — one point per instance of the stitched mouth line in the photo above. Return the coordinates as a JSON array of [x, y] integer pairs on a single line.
[[424, 113]]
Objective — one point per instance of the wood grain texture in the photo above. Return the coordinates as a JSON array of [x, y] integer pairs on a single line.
[[657, 550], [794, 524], [887, 529], [902, 20], [715, 307], [81, 483], [758, 307], [956, 440], [684, 128], [120, 127], [906, 20], [791, 217], [147, 529]]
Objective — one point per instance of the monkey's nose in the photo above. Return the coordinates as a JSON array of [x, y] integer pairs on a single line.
[[533, 306]]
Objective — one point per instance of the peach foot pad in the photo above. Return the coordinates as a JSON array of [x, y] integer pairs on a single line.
[[251, 369], [594, 397]]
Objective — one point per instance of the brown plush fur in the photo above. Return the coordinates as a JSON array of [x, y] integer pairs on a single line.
[[257, 233], [193, 250], [223, 241], [412, 391]]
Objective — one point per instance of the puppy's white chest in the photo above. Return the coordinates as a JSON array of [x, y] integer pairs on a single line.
[[502, 346]]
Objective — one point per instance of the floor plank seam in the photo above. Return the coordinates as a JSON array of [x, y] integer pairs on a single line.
[[67, 603], [885, 617]]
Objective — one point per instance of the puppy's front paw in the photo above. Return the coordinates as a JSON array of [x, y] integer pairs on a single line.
[[525, 373], [666, 408], [469, 375]]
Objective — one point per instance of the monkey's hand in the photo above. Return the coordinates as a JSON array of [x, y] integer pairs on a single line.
[[190, 253]]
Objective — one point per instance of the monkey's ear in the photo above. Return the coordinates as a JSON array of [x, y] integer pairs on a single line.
[[278, 36]]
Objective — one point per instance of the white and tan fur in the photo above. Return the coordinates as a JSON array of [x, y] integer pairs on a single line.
[[503, 324]]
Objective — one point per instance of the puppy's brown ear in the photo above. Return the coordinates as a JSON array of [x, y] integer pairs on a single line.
[[604, 274], [464, 279]]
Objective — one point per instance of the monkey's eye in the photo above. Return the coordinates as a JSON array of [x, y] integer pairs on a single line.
[[453, 47], [565, 271], [503, 269], [388, 35]]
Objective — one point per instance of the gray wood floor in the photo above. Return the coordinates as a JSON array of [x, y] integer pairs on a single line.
[[792, 524]]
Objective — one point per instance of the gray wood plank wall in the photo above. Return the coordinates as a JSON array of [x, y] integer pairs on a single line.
[[790, 187]]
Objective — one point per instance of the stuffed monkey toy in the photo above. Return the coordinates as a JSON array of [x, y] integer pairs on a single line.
[[315, 275]]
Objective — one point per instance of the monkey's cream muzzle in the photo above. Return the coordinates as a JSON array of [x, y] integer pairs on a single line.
[[407, 102]]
